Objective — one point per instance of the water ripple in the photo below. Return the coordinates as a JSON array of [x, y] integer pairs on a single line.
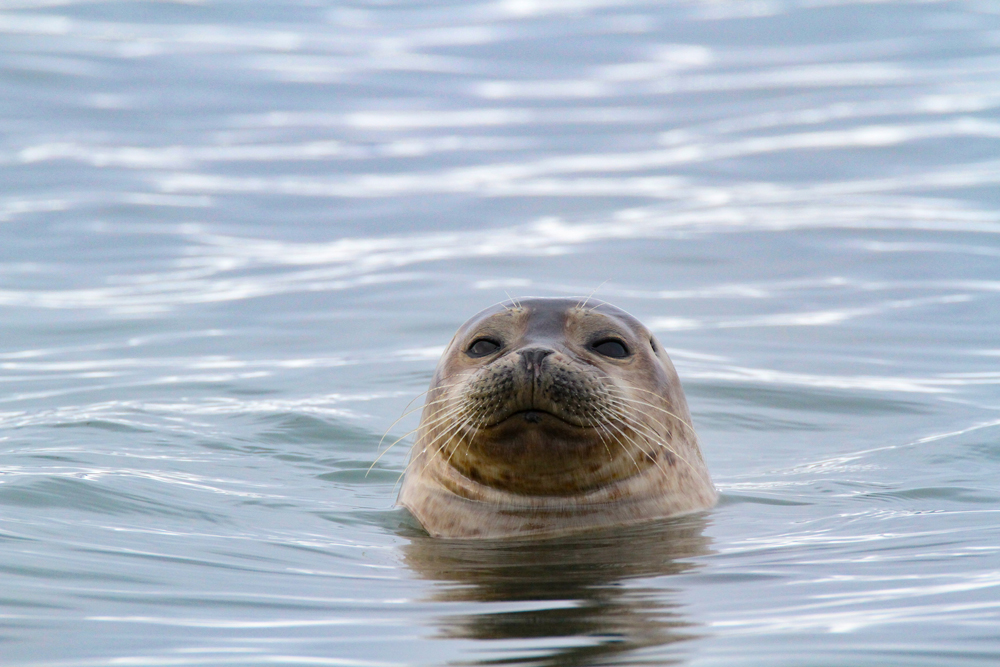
[[234, 245]]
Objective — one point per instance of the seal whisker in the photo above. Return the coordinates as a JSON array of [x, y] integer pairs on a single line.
[[456, 413], [448, 434], [379, 457], [407, 411], [461, 417], [610, 422], [656, 440], [583, 306], [619, 395], [427, 391], [403, 473], [620, 400], [440, 416], [444, 415], [645, 431], [464, 423], [637, 401], [517, 304], [404, 415], [611, 457], [421, 425], [468, 443], [503, 304], [485, 419], [603, 425]]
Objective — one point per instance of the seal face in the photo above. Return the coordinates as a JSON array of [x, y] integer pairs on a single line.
[[547, 416]]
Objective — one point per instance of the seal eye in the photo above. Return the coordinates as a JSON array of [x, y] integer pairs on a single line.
[[610, 347], [482, 347]]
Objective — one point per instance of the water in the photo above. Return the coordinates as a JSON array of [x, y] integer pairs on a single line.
[[234, 238]]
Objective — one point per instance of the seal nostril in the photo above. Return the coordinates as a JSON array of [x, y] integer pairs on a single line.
[[532, 357]]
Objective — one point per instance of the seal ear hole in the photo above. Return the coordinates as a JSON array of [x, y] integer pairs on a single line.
[[482, 347], [610, 347], [652, 344]]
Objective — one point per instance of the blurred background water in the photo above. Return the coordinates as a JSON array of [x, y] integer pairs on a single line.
[[235, 237]]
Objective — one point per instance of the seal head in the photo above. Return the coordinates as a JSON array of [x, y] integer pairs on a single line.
[[547, 416]]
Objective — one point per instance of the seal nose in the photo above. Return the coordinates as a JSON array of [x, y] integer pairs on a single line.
[[532, 357]]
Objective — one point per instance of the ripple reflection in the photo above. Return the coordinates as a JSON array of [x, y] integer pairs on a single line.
[[567, 600]]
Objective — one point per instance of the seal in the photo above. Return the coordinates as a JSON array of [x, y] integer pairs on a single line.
[[548, 416]]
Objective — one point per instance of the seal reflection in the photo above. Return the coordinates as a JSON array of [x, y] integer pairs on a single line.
[[575, 608]]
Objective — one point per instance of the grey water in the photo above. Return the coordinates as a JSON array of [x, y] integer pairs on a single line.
[[236, 236]]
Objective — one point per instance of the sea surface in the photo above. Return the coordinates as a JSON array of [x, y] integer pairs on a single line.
[[236, 236]]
